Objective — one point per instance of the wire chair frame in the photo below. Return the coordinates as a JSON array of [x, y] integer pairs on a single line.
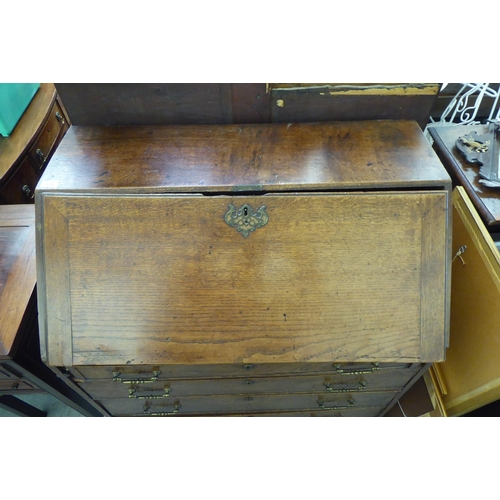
[[463, 111]]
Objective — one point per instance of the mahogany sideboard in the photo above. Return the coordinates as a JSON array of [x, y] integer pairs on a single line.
[[265, 269]]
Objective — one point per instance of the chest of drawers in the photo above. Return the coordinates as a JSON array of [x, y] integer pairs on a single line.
[[298, 269], [27, 151]]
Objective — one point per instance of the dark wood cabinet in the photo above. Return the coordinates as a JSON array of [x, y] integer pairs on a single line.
[[26, 152]]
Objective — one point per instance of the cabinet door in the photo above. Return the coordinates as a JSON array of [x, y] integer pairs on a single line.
[[471, 372]]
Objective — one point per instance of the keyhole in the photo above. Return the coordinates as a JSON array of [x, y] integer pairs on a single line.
[[245, 211]]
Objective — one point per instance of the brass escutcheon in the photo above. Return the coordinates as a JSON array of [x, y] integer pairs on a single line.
[[245, 219]]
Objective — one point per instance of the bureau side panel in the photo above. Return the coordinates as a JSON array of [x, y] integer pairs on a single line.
[[53, 275], [166, 279]]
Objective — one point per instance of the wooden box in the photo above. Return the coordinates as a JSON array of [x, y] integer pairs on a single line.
[[252, 269]]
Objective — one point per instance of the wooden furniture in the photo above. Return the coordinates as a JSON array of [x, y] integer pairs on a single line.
[[485, 199], [21, 369], [298, 269], [26, 152], [470, 376], [218, 103]]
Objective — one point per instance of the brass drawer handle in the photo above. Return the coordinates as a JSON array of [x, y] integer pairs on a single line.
[[246, 219], [350, 404], [356, 372], [27, 192], [361, 387], [59, 118], [41, 156], [132, 394], [146, 408], [154, 378]]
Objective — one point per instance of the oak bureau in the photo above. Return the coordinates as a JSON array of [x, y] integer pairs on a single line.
[[267, 269]]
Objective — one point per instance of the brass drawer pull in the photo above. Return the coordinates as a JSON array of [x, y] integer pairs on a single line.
[[350, 404], [40, 155], [132, 394], [245, 219], [356, 372], [361, 387], [27, 192], [154, 378], [59, 118], [146, 408]]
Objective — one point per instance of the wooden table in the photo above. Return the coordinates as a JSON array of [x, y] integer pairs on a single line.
[[485, 199], [21, 370]]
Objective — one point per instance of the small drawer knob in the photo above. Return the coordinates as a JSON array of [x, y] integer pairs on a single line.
[[59, 118], [41, 156], [27, 192]]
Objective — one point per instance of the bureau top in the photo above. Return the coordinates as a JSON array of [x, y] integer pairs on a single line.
[[236, 158]]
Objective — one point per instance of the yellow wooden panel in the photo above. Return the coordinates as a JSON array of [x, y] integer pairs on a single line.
[[472, 369]]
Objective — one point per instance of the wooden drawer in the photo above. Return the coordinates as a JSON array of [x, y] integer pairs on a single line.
[[53, 129], [6, 374], [20, 188], [16, 386], [242, 371], [200, 405], [382, 380], [367, 411], [471, 372]]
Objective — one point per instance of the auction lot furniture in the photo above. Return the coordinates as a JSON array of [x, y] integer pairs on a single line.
[[27, 151], [470, 376], [266, 269]]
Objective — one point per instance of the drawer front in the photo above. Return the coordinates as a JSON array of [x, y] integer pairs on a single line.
[[20, 188], [5, 374], [44, 146], [318, 282], [221, 405], [392, 380], [368, 411], [16, 386], [180, 372]]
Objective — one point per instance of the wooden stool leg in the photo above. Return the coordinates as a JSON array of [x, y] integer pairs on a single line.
[[20, 408]]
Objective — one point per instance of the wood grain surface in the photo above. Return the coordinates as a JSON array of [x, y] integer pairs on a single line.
[[471, 372], [232, 158], [17, 271], [164, 279]]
